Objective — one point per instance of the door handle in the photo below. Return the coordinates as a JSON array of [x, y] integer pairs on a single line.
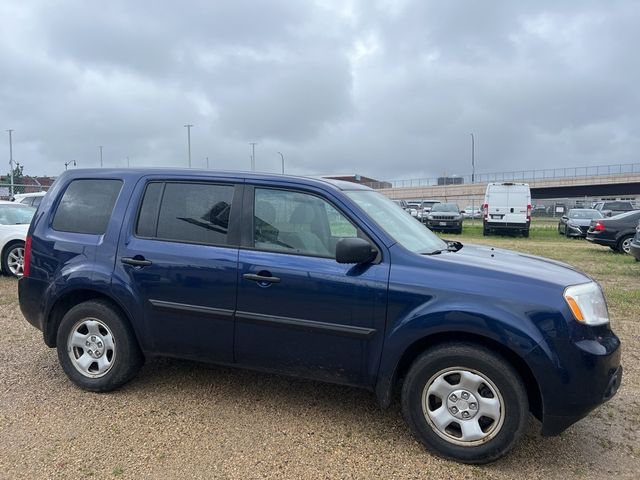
[[260, 278], [137, 261]]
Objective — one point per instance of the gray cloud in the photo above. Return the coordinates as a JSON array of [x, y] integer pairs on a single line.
[[389, 89]]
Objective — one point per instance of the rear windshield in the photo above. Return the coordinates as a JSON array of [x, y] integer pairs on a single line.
[[86, 206], [16, 214]]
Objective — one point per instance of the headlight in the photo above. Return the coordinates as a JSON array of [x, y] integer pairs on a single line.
[[587, 303]]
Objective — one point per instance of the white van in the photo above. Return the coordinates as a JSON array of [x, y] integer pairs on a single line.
[[507, 207]]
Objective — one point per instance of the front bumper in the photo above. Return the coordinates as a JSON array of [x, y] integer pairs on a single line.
[[444, 224], [574, 231], [584, 375]]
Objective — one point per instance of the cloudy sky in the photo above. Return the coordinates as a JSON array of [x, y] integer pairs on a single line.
[[389, 89]]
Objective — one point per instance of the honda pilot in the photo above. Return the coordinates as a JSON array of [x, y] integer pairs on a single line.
[[315, 278]]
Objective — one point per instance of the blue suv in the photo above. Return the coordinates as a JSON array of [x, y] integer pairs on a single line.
[[320, 279]]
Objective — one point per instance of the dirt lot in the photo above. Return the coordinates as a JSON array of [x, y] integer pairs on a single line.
[[186, 420]]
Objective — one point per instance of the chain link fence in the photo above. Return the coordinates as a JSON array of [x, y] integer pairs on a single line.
[[8, 191]]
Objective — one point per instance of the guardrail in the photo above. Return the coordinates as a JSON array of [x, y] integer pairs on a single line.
[[516, 176]]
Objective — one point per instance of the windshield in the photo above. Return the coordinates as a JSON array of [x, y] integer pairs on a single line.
[[587, 213], [16, 214], [445, 207], [401, 226]]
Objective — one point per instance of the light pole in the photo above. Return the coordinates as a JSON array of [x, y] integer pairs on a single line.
[[11, 157], [70, 162], [253, 156], [188, 127], [473, 176], [282, 157], [128, 162], [100, 147], [207, 162], [473, 159]]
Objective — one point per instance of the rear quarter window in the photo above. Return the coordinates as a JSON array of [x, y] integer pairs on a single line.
[[86, 206]]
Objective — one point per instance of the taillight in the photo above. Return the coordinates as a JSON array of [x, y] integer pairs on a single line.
[[27, 257], [528, 213], [599, 227], [485, 210]]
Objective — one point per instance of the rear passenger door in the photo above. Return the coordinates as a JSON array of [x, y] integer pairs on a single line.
[[179, 254], [299, 311]]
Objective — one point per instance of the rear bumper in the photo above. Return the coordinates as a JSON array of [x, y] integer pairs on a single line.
[[31, 296], [635, 250], [493, 225], [607, 242]]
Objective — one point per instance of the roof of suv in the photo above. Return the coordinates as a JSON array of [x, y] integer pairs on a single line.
[[180, 172]]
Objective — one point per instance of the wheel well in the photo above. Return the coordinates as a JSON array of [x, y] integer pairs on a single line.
[[10, 243], [68, 301], [533, 391]]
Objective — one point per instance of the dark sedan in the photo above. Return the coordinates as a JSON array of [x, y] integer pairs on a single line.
[[615, 232], [444, 217], [576, 222], [634, 248]]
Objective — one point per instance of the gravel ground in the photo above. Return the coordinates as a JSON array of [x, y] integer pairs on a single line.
[[185, 420]]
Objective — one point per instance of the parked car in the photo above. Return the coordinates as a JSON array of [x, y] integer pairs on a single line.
[[401, 203], [30, 199], [635, 244], [615, 232], [415, 210], [507, 207], [14, 223], [610, 209], [445, 217], [577, 221], [427, 205], [471, 212], [320, 279]]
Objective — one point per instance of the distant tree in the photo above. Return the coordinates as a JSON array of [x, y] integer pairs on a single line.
[[18, 174]]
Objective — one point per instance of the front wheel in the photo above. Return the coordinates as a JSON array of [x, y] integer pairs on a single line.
[[465, 403], [13, 259], [97, 348]]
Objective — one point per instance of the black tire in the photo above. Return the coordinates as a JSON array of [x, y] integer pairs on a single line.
[[126, 356], [8, 249], [478, 360], [485, 231], [525, 233], [620, 246]]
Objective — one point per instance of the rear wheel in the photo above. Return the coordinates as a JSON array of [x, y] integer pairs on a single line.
[[464, 402], [525, 233], [13, 259], [97, 348], [624, 244]]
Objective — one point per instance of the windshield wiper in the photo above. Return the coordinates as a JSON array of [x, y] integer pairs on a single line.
[[452, 246]]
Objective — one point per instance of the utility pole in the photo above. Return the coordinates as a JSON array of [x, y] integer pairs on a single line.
[[100, 147], [282, 157], [253, 155], [128, 162], [207, 163], [11, 157], [188, 127], [70, 162]]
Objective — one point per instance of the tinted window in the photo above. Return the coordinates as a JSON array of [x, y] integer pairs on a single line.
[[149, 210], [195, 213], [26, 201], [86, 206], [298, 223], [37, 201]]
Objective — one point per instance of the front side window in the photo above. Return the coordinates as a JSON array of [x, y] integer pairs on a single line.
[[295, 222], [189, 212], [86, 206]]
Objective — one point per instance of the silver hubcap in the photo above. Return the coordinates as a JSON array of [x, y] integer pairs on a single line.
[[15, 261], [626, 245], [91, 347], [463, 406]]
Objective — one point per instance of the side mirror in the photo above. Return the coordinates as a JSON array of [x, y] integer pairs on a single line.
[[354, 250], [564, 217]]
